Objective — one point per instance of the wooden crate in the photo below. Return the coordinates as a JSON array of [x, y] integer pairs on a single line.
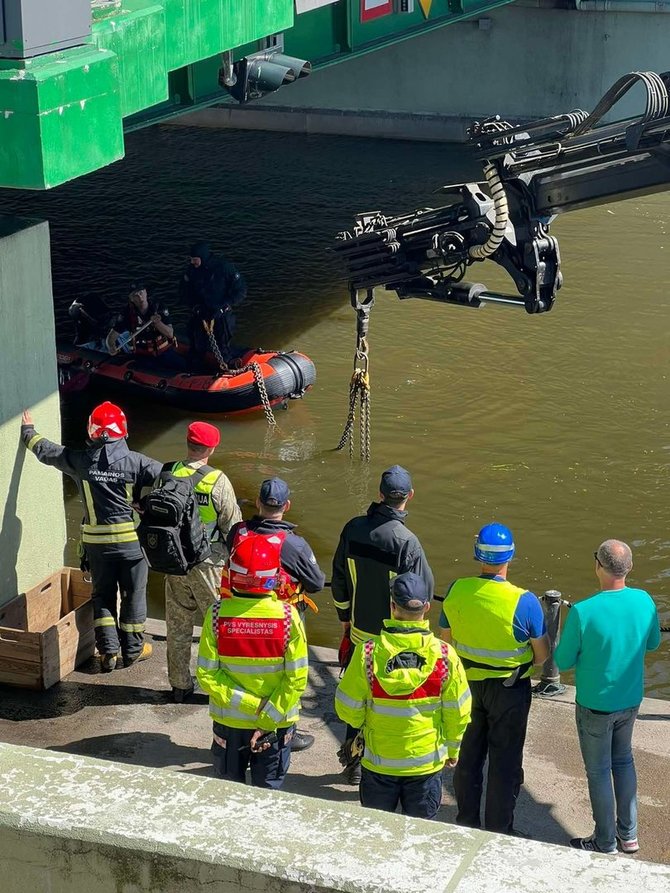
[[48, 631]]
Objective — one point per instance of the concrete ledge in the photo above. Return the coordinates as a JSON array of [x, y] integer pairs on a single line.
[[73, 823]]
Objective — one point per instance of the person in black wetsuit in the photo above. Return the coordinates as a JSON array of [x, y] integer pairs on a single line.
[[211, 286]]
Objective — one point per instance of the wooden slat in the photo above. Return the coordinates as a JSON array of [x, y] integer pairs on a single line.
[[80, 588], [43, 603], [13, 614], [18, 672], [56, 644], [67, 644], [66, 597], [15, 644]]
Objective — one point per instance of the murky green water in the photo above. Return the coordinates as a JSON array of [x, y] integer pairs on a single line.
[[556, 425]]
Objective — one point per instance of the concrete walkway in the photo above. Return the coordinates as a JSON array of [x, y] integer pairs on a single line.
[[127, 716]]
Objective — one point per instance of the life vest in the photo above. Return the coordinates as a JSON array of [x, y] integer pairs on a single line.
[[252, 637], [150, 342], [288, 588]]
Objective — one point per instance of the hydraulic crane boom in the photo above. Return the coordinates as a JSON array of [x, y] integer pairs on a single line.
[[532, 173]]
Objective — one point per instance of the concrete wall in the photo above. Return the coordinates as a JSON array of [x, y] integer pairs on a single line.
[[74, 825], [532, 61], [32, 535]]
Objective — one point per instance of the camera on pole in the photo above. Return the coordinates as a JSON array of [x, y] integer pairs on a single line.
[[261, 73]]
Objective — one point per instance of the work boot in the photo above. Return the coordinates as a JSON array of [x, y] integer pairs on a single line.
[[144, 654], [180, 695], [301, 741], [352, 774], [108, 662]]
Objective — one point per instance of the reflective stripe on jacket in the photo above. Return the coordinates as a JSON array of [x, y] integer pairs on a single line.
[[109, 478], [409, 694], [203, 491], [252, 662], [373, 549], [480, 612]]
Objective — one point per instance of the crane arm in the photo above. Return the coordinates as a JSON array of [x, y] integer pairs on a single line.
[[532, 173]]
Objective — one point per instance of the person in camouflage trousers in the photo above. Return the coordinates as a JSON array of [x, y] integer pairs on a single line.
[[188, 598]]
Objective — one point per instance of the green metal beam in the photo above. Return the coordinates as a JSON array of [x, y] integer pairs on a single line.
[[63, 114]]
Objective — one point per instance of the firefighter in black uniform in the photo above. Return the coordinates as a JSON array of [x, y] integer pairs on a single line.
[[109, 478], [373, 549], [211, 287]]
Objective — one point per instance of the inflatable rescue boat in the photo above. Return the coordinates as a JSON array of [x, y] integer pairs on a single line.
[[283, 376]]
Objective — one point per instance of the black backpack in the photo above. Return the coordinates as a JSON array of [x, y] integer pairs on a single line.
[[171, 534]]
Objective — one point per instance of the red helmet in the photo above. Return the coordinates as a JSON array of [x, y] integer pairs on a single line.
[[255, 564], [107, 422]]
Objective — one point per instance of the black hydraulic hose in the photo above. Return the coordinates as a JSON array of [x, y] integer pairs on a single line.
[[658, 101]]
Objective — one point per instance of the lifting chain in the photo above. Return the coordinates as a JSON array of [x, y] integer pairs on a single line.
[[208, 326], [252, 367], [262, 390], [359, 387]]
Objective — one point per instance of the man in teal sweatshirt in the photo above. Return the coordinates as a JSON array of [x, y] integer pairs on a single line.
[[605, 639]]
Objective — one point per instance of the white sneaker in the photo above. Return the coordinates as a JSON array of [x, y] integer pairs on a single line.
[[628, 846]]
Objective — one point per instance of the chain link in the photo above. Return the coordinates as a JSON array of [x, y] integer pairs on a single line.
[[359, 392], [262, 390], [213, 346], [251, 367]]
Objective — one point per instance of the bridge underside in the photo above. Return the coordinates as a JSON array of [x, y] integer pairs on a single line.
[[63, 113]]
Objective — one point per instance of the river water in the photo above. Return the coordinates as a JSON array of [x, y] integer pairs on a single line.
[[556, 425]]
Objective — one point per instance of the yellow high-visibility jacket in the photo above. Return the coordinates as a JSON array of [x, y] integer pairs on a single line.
[[252, 662], [413, 710]]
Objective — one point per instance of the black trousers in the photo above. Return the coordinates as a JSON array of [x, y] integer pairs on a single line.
[[268, 768], [112, 574], [419, 796], [497, 729]]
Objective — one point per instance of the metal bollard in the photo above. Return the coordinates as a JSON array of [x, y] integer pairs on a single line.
[[550, 681]]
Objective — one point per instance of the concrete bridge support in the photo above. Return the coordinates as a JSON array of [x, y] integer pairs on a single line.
[[32, 534], [521, 61]]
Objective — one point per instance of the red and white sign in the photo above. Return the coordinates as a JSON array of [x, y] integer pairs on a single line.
[[373, 9]]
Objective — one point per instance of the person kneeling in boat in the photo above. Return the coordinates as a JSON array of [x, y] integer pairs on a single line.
[[90, 316], [211, 287], [144, 328]]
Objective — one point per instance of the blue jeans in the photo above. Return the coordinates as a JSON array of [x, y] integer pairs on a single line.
[[605, 740]]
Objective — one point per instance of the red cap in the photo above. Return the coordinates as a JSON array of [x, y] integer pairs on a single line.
[[203, 434]]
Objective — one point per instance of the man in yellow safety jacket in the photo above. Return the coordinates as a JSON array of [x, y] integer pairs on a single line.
[[188, 597], [499, 633], [253, 665], [408, 694]]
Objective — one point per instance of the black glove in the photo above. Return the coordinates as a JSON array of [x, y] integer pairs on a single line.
[[351, 751]]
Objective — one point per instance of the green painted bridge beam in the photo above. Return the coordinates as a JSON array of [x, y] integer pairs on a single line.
[[63, 114]]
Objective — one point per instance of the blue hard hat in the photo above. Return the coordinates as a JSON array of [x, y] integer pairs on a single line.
[[494, 544]]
